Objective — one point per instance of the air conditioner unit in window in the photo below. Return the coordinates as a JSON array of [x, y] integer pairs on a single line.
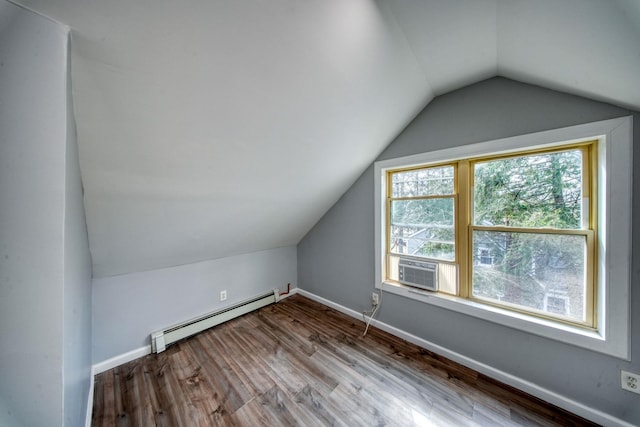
[[421, 274]]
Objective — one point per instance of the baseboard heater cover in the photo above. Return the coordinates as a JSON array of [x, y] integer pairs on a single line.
[[161, 339]]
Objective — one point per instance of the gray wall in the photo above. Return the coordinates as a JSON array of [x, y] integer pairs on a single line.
[[336, 258], [6, 415], [127, 308], [45, 276], [77, 284]]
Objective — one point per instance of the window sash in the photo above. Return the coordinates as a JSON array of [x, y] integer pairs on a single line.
[[464, 227], [589, 279]]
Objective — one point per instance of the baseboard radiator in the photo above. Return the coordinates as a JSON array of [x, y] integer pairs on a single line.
[[161, 339]]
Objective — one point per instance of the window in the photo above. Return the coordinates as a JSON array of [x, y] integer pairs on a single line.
[[519, 231], [517, 228], [422, 212]]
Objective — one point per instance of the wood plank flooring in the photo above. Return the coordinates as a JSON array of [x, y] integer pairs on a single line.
[[299, 363]]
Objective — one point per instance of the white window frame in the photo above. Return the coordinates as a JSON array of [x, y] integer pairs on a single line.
[[615, 170]]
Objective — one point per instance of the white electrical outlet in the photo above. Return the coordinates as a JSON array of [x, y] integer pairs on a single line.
[[223, 295], [630, 381], [375, 298]]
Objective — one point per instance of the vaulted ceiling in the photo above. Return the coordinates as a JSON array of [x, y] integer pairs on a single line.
[[213, 128]]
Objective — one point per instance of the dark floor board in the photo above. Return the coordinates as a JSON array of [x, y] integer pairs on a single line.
[[299, 363], [323, 411], [147, 409], [121, 415], [98, 399], [161, 414], [381, 377], [280, 367], [363, 406], [278, 405], [197, 388], [237, 358], [271, 408], [256, 370], [360, 387], [492, 416], [170, 392], [109, 400], [228, 393], [398, 375], [230, 357], [441, 415], [415, 357], [523, 406], [135, 401], [297, 356], [282, 331]]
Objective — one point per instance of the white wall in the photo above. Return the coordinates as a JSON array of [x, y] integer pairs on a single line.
[[45, 275], [32, 186], [127, 308], [77, 284]]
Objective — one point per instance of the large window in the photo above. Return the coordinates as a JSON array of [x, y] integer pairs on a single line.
[[517, 228], [522, 231]]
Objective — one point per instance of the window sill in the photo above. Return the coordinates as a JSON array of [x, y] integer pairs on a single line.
[[584, 338]]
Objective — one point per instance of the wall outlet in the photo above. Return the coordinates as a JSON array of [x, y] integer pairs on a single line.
[[223, 295], [630, 381], [375, 298]]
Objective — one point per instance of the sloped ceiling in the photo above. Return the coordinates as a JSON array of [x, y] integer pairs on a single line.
[[213, 128]]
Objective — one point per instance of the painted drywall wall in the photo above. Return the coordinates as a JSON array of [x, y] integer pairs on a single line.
[[127, 308], [77, 283], [32, 186], [336, 258], [6, 415]]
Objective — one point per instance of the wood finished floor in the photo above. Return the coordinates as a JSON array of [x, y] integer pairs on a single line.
[[298, 362]]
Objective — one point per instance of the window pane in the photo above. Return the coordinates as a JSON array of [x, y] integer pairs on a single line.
[[423, 182], [423, 228], [542, 190], [540, 271]]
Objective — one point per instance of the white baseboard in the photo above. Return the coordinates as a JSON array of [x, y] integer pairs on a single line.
[[92, 382], [509, 379], [121, 359], [105, 365]]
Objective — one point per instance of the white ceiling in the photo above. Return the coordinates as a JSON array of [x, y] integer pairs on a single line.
[[213, 128]]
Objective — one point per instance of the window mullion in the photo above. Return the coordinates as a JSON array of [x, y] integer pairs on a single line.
[[556, 231], [463, 233]]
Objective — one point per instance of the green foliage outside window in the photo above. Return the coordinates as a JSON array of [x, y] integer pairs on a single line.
[[542, 190], [529, 192]]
